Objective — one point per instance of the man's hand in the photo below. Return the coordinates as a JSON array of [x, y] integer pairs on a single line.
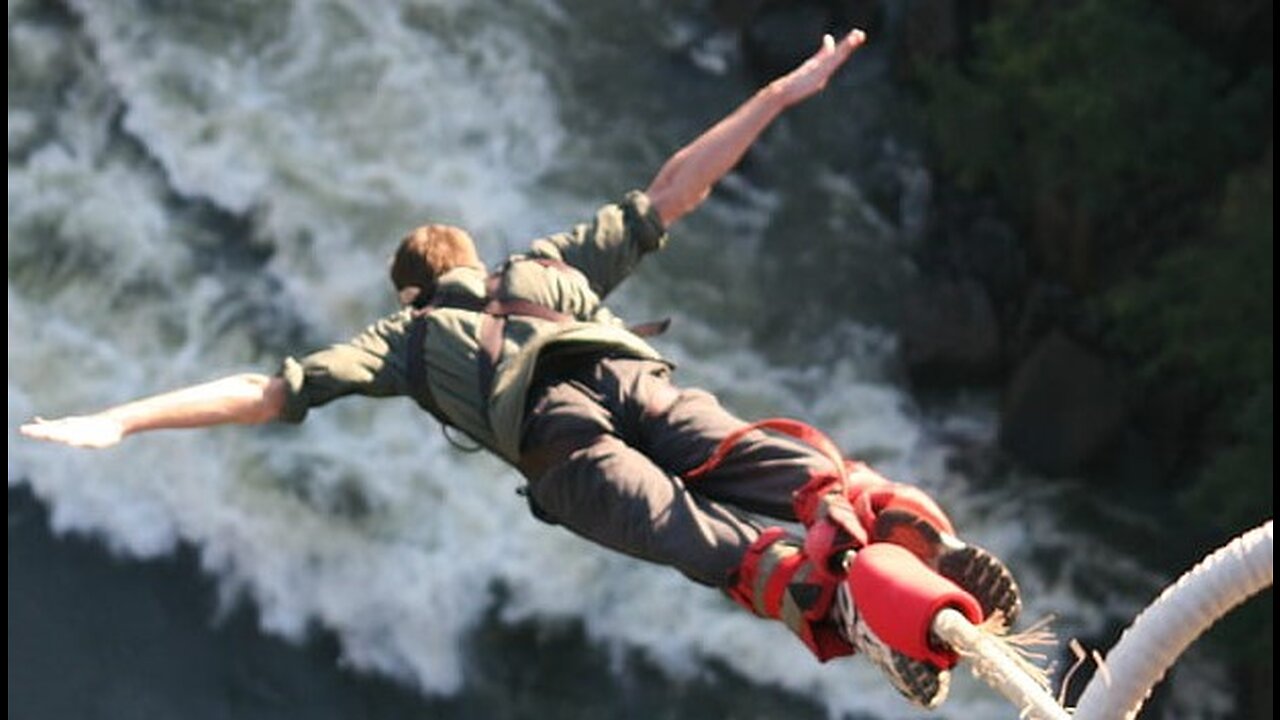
[[812, 76], [687, 177], [85, 431]]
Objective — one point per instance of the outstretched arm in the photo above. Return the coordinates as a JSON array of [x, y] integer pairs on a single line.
[[246, 399], [688, 176]]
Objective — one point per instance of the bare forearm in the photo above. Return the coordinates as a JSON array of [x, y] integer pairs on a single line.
[[246, 399], [686, 179]]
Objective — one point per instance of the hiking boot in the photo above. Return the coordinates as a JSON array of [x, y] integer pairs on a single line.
[[920, 682], [971, 568], [975, 570]]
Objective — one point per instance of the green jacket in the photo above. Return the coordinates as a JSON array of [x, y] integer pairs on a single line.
[[374, 362]]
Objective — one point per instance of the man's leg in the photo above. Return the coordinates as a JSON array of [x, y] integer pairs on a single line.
[[609, 491], [680, 428], [596, 484]]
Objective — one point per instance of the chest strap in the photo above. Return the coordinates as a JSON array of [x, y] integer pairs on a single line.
[[492, 326], [496, 310]]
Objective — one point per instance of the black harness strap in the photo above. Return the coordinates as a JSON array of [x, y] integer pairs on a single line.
[[416, 372], [496, 310]]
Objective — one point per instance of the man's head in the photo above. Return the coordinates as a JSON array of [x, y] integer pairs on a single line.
[[425, 254]]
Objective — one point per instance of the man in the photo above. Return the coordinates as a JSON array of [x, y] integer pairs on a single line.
[[529, 363]]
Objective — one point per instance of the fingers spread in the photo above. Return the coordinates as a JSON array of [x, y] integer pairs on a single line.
[[32, 429]]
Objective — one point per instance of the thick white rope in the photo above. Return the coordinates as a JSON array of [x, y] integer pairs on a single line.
[[1155, 640], [991, 661], [1181, 614]]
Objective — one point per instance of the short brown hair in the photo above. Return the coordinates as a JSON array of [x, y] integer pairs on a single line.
[[425, 254]]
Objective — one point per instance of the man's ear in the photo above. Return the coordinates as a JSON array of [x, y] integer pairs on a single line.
[[409, 295]]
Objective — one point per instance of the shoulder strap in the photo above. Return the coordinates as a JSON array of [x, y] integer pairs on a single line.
[[644, 329], [416, 372], [496, 310]]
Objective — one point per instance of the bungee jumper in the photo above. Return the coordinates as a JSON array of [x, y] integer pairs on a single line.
[[529, 362]]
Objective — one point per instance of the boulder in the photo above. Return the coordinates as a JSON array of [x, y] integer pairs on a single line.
[[1062, 407], [949, 334]]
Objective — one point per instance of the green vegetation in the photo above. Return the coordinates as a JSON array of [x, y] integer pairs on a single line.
[[1138, 169], [1099, 126], [1206, 311], [1133, 154]]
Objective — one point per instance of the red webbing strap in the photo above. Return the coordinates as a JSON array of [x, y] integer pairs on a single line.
[[742, 586], [775, 586], [796, 429]]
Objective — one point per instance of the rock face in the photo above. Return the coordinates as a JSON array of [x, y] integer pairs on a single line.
[[777, 35], [950, 334], [1062, 407], [780, 37], [932, 31]]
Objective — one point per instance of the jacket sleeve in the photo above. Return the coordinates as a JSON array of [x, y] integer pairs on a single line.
[[607, 249], [370, 364]]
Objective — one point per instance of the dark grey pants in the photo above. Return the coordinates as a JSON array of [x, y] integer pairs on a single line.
[[612, 439]]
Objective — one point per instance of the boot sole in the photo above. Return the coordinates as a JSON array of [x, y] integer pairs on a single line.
[[975, 570]]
